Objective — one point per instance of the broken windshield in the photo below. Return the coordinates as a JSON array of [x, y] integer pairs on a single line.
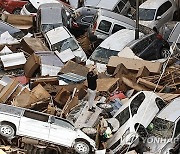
[[102, 55], [161, 128], [146, 14], [65, 44]]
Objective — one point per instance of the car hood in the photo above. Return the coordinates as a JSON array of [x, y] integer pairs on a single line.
[[80, 54], [149, 24]]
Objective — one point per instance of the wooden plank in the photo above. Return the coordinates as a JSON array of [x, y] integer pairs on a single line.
[[148, 84], [106, 84], [133, 85], [167, 96]]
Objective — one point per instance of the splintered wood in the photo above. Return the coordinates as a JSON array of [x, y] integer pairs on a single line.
[[169, 80]]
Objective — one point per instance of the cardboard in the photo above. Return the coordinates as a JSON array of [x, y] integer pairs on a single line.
[[8, 90], [31, 65], [24, 99], [62, 97], [40, 92], [30, 45], [132, 64], [19, 21], [107, 84], [74, 67]]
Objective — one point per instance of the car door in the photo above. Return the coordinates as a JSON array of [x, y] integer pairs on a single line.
[[61, 132], [164, 13], [34, 124]]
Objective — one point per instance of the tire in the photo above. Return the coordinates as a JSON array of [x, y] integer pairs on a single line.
[[7, 131], [165, 53], [17, 11], [105, 106], [82, 147]]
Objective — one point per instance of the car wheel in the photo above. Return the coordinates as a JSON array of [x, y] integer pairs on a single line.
[[7, 131], [105, 106], [165, 53], [17, 11], [81, 147]]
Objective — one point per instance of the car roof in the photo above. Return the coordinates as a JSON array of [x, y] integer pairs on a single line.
[[58, 34], [119, 40], [51, 13], [152, 4], [171, 111], [116, 16], [37, 3], [175, 34], [86, 11], [149, 96], [107, 4]]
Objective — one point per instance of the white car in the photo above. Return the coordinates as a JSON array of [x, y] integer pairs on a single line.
[[15, 121], [164, 130], [31, 7], [155, 13], [60, 39], [132, 119], [111, 47]]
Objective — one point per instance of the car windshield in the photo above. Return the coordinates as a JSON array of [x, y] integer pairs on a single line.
[[161, 128], [146, 14], [102, 55], [65, 44], [30, 8], [48, 27]]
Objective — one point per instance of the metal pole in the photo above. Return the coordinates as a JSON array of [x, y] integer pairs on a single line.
[[137, 20]]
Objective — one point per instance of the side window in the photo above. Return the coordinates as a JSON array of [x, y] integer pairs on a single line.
[[160, 103], [36, 116], [136, 102], [123, 116], [63, 123], [105, 26], [116, 10], [125, 1], [177, 131], [120, 5], [163, 8], [117, 28]]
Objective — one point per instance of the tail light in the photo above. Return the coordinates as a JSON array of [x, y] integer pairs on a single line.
[[159, 37]]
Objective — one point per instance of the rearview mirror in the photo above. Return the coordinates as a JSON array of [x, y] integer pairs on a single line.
[[158, 17]]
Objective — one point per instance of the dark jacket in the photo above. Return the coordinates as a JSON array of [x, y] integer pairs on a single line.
[[92, 80]]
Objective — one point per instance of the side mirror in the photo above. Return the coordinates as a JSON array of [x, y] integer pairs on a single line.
[[158, 17]]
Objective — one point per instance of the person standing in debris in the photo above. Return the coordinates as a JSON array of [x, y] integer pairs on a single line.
[[104, 131], [92, 84]]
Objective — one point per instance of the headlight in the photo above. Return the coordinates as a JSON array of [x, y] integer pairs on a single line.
[[126, 133]]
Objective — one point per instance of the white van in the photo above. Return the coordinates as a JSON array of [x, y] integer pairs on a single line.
[[106, 23], [61, 40], [117, 6], [31, 7]]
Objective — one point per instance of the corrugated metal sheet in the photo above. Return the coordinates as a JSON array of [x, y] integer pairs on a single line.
[[71, 77]]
